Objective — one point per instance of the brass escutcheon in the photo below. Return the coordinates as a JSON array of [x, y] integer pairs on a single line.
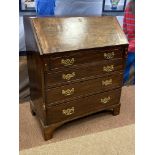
[[107, 82], [68, 92], [67, 62], [105, 100], [108, 68], [68, 76], [68, 111], [109, 55]]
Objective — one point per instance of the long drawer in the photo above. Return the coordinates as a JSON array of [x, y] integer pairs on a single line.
[[82, 106], [69, 75], [77, 58], [79, 89]]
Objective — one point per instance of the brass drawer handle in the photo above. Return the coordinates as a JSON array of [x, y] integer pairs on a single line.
[[109, 55], [68, 111], [68, 76], [105, 100], [67, 62], [68, 92], [107, 82], [108, 68]]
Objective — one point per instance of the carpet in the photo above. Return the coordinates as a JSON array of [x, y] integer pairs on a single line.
[[30, 132], [118, 141]]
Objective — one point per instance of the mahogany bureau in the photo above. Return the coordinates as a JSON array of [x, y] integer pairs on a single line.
[[75, 67]]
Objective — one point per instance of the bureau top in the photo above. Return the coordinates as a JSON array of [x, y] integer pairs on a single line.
[[57, 34]]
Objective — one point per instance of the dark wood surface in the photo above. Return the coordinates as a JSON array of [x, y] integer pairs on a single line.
[[36, 84], [75, 33], [84, 88], [76, 58], [69, 75], [30, 42], [69, 110], [74, 73]]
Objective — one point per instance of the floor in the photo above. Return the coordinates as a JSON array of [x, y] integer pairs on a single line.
[[118, 141]]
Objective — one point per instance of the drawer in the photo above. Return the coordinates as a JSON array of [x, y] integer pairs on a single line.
[[82, 106], [70, 59], [84, 88], [69, 75]]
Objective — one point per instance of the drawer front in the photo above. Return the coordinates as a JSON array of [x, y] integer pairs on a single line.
[[66, 76], [78, 58], [79, 89], [73, 109]]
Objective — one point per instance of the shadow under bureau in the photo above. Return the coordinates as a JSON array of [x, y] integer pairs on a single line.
[[75, 67]]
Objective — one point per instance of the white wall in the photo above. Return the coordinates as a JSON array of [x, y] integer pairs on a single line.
[[78, 7]]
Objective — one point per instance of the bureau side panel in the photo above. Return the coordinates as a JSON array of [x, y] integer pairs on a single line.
[[36, 82], [35, 71], [29, 36]]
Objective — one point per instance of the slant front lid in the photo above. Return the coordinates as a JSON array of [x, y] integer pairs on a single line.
[[74, 33]]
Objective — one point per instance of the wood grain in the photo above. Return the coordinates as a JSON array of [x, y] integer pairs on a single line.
[[75, 33], [84, 88], [69, 75], [82, 106]]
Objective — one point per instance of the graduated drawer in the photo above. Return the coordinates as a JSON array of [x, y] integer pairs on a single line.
[[79, 89], [70, 59], [84, 72], [82, 106]]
